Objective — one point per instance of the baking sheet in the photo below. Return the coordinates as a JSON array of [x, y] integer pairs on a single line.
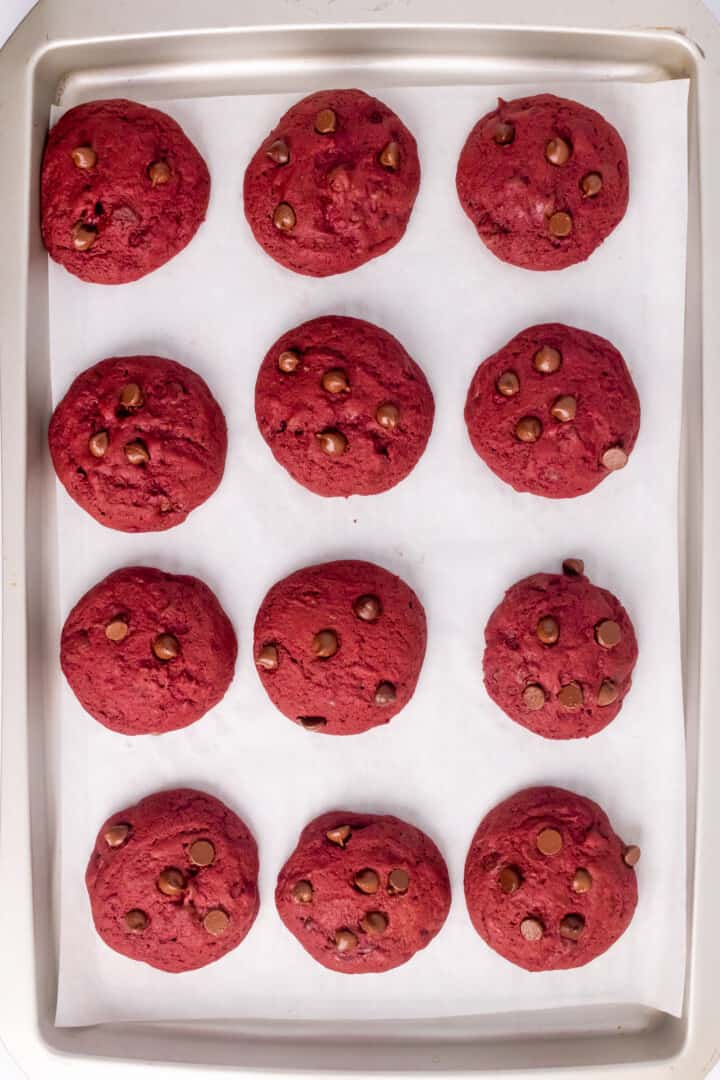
[[452, 530]]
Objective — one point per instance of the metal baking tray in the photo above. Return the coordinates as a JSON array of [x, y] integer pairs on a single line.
[[68, 51]]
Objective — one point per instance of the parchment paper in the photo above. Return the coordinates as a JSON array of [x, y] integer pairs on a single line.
[[452, 530]]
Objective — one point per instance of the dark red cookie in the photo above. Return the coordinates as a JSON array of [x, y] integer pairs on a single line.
[[544, 180], [363, 892], [333, 185], [343, 407], [554, 411], [123, 190], [548, 884], [138, 442], [339, 646], [173, 880], [559, 654], [147, 652]]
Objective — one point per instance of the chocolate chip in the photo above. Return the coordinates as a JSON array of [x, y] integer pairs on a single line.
[[116, 630], [385, 694], [573, 567], [339, 178], [83, 236], [608, 634], [171, 882], [560, 224], [571, 926], [564, 408], [216, 922], [367, 608], [509, 879], [547, 630], [202, 853], [131, 396], [335, 381], [387, 416], [591, 184], [345, 940], [325, 644], [332, 443], [166, 647], [339, 835], [390, 156], [288, 361], [534, 696], [367, 881], [374, 922], [508, 384], [529, 429], [557, 151], [631, 855], [137, 452], [325, 122], [84, 157], [547, 359], [582, 881], [531, 929], [570, 696], [312, 723], [116, 835], [98, 444], [302, 892], [607, 694], [614, 458], [136, 920], [398, 881], [549, 841], [268, 658], [504, 133], [284, 217], [159, 173], [278, 152]]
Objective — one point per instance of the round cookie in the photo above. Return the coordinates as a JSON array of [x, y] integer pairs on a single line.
[[339, 646], [548, 884], [122, 191], [333, 185], [147, 652], [544, 180], [559, 654], [138, 442], [343, 407], [363, 892], [554, 411], [173, 880]]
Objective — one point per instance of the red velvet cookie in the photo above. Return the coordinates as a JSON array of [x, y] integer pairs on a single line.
[[554, 411], [339, 646], [544, 180], [363, 892], [343, 407], [138, 442], [559, 654], [548, 884], [122, 191], [147, 652], [333, 185], [173, 880]]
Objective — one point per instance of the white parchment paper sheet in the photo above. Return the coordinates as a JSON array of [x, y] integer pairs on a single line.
[[452, 530]]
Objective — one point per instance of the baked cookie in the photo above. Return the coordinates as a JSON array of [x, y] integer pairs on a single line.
[[548, 884], [343, 407], [122, 191], [544, 180], [339, 646], [363, 892], [559, 654], [147, 652], [554, 411], [333, 185], [173, 880], [138, 442]]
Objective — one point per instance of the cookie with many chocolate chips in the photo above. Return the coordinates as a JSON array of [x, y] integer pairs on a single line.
[[122, 191], [554, 411], [548, 884], [138, 442], [339, 646], [363, 892], [544, 180], [333, 184], [146, 652], [343, 407], [559, 654], [172, 881]]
